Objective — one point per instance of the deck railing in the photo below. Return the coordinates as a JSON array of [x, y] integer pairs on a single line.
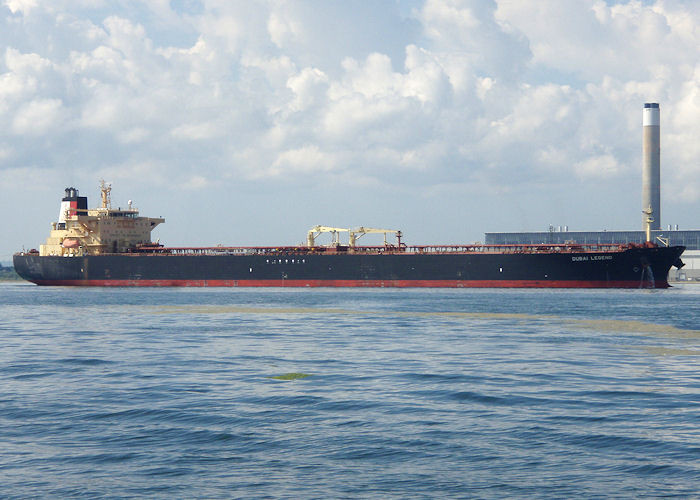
[[388, 249]]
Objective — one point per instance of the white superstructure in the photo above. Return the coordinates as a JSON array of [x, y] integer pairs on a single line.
[[83, 231]]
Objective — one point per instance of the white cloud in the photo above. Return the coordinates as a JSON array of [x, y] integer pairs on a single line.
[[309, 87], [282, 29], [38, 117], [306, 159], [151, 172], [21, 6], [195, 131], [134, 135], [600, 167], [20, 63], [196, 183], [5, 152], [426, 79]]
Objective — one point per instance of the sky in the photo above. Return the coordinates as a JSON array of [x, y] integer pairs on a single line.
[[248, 122]]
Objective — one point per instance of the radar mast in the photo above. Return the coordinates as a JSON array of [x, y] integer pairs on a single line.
[[105, 190]]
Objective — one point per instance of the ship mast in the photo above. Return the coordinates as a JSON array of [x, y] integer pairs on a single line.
[[105, 190]]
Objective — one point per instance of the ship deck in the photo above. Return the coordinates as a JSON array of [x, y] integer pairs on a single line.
[[389, 249]]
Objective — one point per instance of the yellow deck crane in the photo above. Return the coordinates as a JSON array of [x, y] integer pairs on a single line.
[[316, 231], [361, 231]]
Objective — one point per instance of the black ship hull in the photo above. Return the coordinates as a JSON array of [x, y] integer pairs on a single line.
[[645, 267]]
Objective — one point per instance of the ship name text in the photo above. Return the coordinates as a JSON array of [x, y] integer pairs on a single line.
[[582, 258]]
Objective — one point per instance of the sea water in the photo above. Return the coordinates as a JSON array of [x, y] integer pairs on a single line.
[[349, 393]]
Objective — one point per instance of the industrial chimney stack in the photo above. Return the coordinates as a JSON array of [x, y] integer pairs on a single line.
[[651, 166]]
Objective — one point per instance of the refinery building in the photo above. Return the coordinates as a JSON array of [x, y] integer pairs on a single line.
[[651, 213]]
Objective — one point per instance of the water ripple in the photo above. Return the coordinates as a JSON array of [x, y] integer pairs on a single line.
[[409, 394]]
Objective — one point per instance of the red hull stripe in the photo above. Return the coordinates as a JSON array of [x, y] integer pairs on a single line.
[[360, 283]]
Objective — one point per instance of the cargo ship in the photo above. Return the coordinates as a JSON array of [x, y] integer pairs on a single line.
[[105, 246]]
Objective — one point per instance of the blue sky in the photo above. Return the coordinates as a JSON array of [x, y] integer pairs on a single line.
[[247, 122]]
